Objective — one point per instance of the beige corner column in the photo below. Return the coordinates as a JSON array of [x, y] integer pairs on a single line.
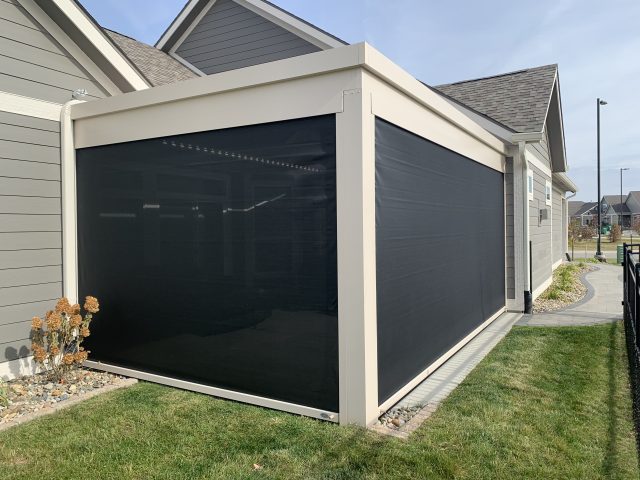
[[69, 204], [355, 178]]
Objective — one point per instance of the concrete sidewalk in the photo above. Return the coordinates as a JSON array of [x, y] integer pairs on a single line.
[[601, 304]]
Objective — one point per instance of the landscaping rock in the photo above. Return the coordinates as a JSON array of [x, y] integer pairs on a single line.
[[31, 394]]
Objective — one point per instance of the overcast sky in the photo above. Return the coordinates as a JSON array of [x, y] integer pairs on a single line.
[[596, 44]]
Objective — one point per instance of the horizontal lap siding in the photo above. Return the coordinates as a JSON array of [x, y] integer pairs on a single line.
[[33, 64], [540, 231], [510, 260], [230, 36], [558, 225], [30, 226]]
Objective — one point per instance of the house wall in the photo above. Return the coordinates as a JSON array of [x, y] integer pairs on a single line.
[[230, 36], [633, 203], [509, 229], [540, 232], [35, 66], [558, 225]]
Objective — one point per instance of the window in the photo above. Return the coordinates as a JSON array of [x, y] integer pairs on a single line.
[[530, 184], [547, 192]]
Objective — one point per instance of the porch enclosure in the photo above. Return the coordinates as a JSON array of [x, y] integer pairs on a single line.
[[280, 234], [214, 255]]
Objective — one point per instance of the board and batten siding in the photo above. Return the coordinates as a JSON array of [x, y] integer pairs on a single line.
[[33, 64], [30, 227], [540, 230], [509, 229], [230, 36], [558, 225]]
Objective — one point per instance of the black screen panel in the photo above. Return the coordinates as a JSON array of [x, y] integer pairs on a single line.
[[213, 255], [440, 252]]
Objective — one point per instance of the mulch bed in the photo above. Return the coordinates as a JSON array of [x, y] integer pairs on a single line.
[[30, 395]]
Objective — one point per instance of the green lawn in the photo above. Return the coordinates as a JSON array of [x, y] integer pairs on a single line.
[[548, 403]]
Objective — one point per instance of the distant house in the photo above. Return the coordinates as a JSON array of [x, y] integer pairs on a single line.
[[615, 211], [633, 204], [585, 212]]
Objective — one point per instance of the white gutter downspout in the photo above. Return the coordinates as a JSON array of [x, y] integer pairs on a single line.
[[69, 213]]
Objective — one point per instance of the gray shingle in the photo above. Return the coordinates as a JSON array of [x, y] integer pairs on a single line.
[[157, 66], [517, 100]]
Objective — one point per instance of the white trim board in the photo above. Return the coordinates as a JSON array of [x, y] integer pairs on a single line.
[[17, 368], [396, 397], [536, 162], [217, 392], [70, 46], [556, 265], [31, 107], [538, 291]]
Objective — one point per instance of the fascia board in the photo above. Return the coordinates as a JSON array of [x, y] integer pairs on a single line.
[[97, 38], [288, 69], [169, 41], [336, 59], [177, 22], [291, 23], [376, 63], [564, 181]]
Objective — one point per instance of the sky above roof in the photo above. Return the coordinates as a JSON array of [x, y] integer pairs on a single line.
[[595, 43]]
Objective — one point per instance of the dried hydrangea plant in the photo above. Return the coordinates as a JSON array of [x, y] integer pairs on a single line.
[[56, 341]]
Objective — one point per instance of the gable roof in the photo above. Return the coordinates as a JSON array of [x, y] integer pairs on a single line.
[[194, 8], [574, 206], [518, 100], [158, 67], [585, 208], [613, 199]]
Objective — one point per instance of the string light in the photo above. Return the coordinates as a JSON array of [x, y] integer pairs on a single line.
[[239, 156]]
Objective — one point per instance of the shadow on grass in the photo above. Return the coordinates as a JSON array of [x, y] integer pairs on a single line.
[[611, 455]]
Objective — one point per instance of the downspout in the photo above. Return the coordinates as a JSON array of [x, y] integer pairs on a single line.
[[526, 246], [69, 214]]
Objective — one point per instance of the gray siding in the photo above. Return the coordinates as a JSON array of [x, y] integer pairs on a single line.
[[558, 226], [33, 64], [541, 150], [30, 226], [509, 229], [540, 231], [230, 36]]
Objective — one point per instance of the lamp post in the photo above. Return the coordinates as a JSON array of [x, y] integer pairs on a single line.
[[620, 214], [598, 250]]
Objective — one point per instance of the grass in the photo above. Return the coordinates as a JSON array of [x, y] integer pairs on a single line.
[[546, 403]]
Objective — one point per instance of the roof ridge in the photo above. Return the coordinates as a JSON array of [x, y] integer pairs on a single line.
[[515, 72]]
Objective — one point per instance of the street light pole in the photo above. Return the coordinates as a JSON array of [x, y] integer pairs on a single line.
[[620, 214], [598, 249]]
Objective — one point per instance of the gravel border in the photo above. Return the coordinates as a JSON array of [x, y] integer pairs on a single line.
[[406, 429], [48, 410]]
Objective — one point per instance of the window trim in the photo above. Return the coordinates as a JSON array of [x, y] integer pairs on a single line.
[[548, 192]]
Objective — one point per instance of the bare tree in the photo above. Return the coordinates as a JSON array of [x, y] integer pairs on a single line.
[[616, 233]]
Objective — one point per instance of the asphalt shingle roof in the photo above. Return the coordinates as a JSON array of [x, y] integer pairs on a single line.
[[517, 100], [574, 207], [157, 66], [586, 207]]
